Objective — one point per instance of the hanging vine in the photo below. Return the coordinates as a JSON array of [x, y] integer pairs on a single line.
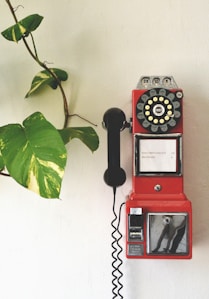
[[34, 152]]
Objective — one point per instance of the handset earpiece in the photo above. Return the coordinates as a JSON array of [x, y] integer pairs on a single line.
[[113, 121]]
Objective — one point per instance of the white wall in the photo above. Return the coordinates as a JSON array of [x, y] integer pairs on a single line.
[[60, 249]]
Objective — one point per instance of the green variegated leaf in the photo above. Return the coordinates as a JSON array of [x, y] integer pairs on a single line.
[[44, 78], [34, 155], [1, 162], [22, 28], [86, 134]]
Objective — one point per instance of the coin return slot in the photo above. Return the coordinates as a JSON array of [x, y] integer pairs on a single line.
[[135, 228]]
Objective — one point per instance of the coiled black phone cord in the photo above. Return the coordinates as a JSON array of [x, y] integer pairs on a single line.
[[117, 250], [119, 253]]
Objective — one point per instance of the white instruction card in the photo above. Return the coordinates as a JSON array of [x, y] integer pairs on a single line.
[[158, 155]]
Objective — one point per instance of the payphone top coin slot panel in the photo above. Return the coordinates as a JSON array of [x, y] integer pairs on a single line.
[[148, 82]]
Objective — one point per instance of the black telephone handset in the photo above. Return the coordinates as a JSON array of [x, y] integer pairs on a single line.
[[114, 120]]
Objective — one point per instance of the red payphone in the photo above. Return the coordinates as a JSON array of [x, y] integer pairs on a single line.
[[158, 213]]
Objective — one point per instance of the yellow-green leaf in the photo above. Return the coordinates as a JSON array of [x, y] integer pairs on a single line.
[[22, 28], [45, 78], [34, 155], [86, 134]]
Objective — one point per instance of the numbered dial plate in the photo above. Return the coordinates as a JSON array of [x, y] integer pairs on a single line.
[[158, 110]]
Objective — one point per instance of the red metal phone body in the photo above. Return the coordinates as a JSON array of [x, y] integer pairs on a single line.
[[155, 203]]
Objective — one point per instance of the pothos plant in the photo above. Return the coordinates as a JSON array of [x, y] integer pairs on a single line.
[[34, 152]]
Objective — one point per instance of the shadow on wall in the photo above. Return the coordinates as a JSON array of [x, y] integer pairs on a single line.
[[196, 160]]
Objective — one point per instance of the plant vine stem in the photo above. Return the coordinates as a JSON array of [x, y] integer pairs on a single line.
[[5, 174], [43, 65], [83, 118]]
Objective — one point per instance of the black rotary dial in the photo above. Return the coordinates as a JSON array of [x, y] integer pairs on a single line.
[[158, 110]]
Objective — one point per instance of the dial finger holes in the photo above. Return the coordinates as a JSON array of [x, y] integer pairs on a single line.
[[169, 113], [158, 110]]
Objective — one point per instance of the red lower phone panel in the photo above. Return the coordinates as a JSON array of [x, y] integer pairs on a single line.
[[159, 227]]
